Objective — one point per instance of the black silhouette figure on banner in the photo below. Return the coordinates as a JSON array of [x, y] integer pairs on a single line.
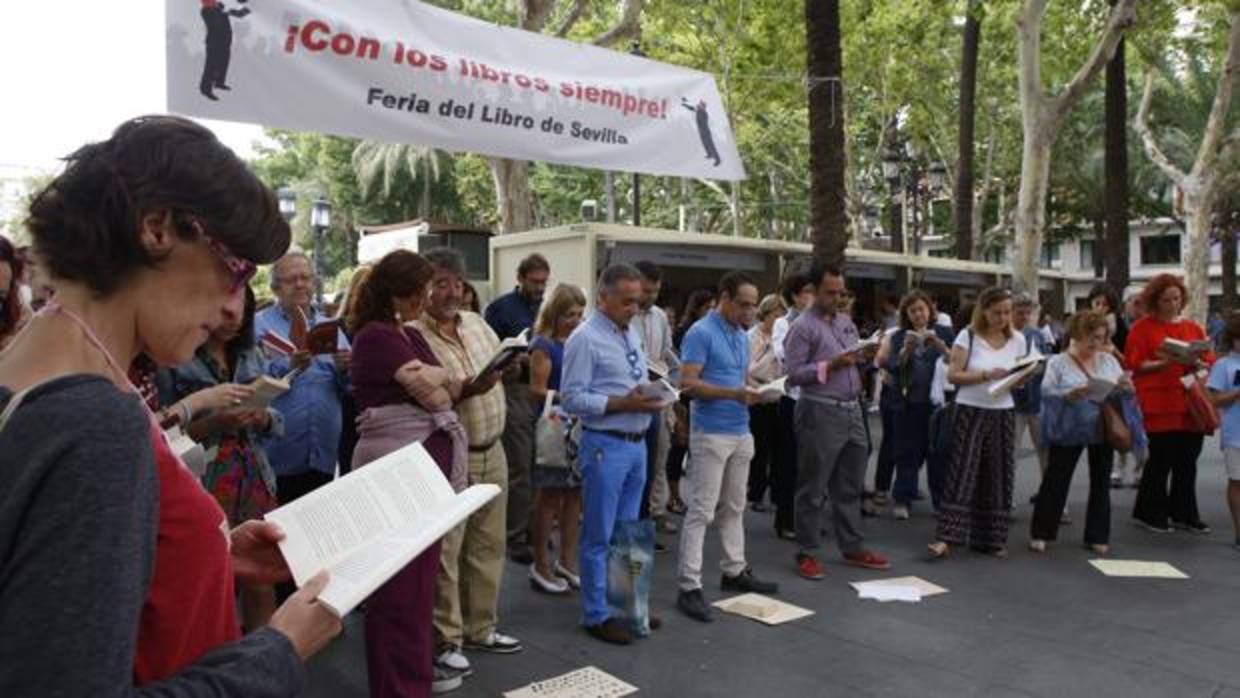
[[219, 46], [703, 125]]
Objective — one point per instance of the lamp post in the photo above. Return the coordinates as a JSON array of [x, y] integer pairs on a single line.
[[913, 180], [288, 203], [320, 221]]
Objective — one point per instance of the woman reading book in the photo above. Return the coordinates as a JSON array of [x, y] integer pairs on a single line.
[[118, 569], [403, 395], [238, 473]]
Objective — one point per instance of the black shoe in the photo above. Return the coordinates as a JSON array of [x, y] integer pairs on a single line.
[[521, 554], [223, 87], [746, 581], [208, 95], [693, 605], [655, 622], [611, 631], [1198, 527], [785, 533], [659, 547]]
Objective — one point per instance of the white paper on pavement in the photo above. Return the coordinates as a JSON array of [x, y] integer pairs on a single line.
[[586, 682], [1137, 568]]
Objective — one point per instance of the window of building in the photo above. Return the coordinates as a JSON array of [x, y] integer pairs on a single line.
[[1160, 249], [943, 253], [1050, 255], [1088, 250]]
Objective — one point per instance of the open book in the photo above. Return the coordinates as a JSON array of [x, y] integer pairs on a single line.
[[1185, 350], [659, 389], [366, 526], [770, 392], [322, 338], [508, 350], [266, 390], [1100, 389], [872, 341], [1018, 373]]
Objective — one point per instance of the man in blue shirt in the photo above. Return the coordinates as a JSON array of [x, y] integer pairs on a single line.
[[510, 315], [305, 457], [603, 366], [714, 364]]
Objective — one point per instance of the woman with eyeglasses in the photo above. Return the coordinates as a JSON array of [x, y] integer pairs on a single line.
[[1067, 382], [117, 567], [976, 501]]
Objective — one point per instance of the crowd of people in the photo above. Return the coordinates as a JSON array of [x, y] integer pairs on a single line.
[[151, 579]]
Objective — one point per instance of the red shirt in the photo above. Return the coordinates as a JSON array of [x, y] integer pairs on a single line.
[[189, 606], [1161, 393]]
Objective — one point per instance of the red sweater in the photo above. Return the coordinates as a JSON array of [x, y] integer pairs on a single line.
[[1161, 393]]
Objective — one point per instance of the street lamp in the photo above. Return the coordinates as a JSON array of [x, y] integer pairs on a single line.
[[937, 176], [320, 221], [288, 203], [913, 181]]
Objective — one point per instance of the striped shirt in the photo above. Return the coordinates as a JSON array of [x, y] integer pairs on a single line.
[[463, 353]]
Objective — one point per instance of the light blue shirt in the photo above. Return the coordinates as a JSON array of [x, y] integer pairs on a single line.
[[1223, 378], [722, 350], [311, 408], [602, 361]]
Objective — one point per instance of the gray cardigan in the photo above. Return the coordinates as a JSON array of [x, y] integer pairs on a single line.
[[79, 507]]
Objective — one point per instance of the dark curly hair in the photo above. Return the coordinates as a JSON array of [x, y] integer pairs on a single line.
[[85, 223], [12, 312], [399, 274]]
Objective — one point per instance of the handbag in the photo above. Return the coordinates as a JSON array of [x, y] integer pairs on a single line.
[[1115, 431], [1068, 423], [1202, 414], [630, 571], [551, 437]]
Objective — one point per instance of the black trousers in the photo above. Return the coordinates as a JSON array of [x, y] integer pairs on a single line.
[[215, 65], [290, 488], [885, 467], [652, 448], [1172, 453], [784, 465], [1053, 494], [762, 420]]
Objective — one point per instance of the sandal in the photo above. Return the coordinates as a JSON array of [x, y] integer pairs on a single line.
[[938, 550]]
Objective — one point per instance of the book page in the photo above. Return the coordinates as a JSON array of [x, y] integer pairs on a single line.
[[266, 390], [587, 682], [1100, 389], [365, 526], [1005, 384]]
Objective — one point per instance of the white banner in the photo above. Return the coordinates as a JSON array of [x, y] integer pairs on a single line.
[[405, 72]]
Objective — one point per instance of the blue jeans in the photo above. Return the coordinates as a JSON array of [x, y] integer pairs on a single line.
[[613, 473], [912, 444]]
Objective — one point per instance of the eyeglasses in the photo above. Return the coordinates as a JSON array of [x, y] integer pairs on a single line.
[[635, 371], [242, 270]]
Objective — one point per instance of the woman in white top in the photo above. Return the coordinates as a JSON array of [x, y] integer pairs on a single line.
[[764, 367], [977, 494], [1067, 379]]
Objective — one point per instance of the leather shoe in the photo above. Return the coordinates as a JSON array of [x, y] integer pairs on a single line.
[[655, 622], [611, 631], [747, 582], [693, 605]]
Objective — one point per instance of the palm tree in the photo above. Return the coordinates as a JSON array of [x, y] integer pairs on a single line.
[[968, 107], [827, 159], [373, 160], [1115, 200]]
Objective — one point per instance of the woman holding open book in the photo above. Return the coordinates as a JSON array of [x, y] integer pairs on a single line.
[[118, 569], [976, 502], [1160, 353], [557, 487], [403, 395], [238, 473], [1075, 383]]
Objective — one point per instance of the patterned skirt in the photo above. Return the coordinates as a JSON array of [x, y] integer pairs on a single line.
[[977, 494]]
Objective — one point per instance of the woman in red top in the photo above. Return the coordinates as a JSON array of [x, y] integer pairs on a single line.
[[1174, 447], [117, 568]]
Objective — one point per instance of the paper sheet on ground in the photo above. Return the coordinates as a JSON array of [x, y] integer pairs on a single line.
[[1137, 568], [882, 589], [762, 608], [586, 682]]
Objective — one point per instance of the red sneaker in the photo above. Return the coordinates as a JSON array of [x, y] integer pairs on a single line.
[[868, 559], [808, 567]]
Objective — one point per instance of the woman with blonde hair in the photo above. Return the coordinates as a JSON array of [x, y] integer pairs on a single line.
[[977, 495], [764, 367], [557, 490]]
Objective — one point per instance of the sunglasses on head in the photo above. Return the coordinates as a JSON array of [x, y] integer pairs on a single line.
[[241, 270]]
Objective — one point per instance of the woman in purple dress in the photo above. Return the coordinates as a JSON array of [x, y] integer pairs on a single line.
[[402, 395]]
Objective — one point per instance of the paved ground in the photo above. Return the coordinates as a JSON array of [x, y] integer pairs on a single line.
[[1030, 625]]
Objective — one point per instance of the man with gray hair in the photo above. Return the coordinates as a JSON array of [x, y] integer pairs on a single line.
[[604, 364], [472, 558]]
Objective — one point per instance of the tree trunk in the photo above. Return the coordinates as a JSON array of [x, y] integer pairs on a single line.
[[1030, 218], [1197, 207], [827, 161], [512, 189], [963, 213], [1100, 271], [896, 231], [1231, 238], [1114, 249]]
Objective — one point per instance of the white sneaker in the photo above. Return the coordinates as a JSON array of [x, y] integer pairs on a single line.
[[497, 643], [451, 658], [899, 512], [445, 680], [553, 585]]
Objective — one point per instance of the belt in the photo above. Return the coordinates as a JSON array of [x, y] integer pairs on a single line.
[[482, 449], [622, 435], [822, 399]]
